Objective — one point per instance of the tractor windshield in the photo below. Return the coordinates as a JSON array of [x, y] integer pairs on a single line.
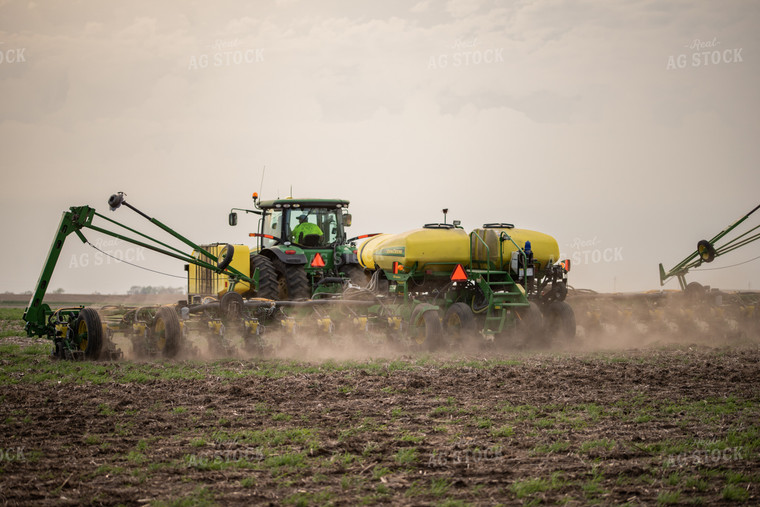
[[309, 227]]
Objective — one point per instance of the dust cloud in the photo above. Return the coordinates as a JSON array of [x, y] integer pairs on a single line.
[[604, 323]]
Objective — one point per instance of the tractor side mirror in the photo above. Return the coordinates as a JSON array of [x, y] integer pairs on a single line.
[[233, 219], [347, 220]]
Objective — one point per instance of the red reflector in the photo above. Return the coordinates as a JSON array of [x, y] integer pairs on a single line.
[[290, 252], [318, 261], [459, 274], [566, 264], [397, 267]]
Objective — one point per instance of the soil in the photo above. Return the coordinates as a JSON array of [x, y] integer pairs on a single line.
[[609, 419], [409, 432]]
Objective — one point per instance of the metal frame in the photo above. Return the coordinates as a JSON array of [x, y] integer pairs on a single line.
[[81, 217], [695, 259]]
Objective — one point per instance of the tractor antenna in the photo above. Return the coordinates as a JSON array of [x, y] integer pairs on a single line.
[[261, 185]]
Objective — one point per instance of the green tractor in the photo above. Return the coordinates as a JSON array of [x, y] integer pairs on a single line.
[[302, 247]]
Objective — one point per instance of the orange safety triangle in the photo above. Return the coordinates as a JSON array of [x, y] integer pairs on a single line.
[[318, 261], [458, 275]]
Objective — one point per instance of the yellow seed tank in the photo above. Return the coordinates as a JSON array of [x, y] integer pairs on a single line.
[[439, 249], [433, 249], [485, 247]]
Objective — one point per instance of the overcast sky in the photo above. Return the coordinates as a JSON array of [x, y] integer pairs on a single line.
[[627, 130]]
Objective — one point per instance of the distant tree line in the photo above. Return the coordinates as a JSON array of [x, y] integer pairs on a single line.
[[138, 290]]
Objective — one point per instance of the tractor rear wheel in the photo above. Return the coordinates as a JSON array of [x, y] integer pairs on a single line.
[[88, 333], [267, 276], [167, 332], [560, 321], [459, 323], [292, 282], [427, 331]]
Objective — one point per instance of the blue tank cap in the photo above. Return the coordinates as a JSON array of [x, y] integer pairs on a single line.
[[527, 246]]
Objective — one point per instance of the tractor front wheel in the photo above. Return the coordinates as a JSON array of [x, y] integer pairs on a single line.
[[292, 282]]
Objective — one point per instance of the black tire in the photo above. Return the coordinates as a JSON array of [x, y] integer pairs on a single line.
[[427, 330], [292, 282], [706, 251], [695, 292], [229, 253], [560, 321], [231, 305], [356, 274], [267, 276], [88, 333], [529, 328], [459, 323], [166, 331]]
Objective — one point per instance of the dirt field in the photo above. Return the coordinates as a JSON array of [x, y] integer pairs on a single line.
[[674, 423]]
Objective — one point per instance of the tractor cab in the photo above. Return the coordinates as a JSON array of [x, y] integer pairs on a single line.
[[305, 242]]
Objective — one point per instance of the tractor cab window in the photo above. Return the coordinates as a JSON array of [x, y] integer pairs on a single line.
[[273, 227], [312, 227]]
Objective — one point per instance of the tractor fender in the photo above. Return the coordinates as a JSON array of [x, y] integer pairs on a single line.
[[276, 253]]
